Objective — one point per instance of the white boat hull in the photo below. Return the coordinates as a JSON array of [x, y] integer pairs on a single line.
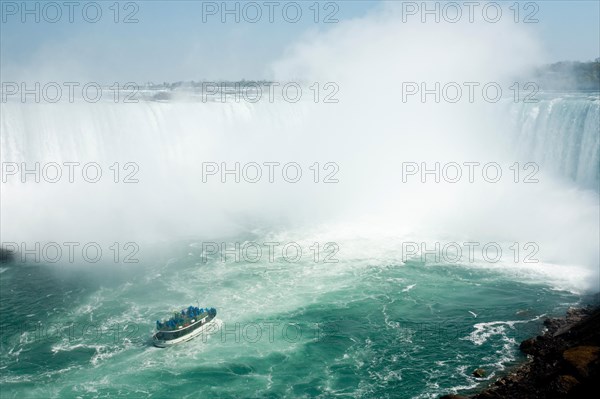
[[188, 337]]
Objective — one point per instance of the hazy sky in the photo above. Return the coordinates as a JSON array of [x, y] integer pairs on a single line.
[[171, 41]]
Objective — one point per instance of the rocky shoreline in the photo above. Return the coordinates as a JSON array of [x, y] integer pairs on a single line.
[[564, 362]]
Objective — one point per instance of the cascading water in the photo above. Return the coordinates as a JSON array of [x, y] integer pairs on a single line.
[[561, 132]]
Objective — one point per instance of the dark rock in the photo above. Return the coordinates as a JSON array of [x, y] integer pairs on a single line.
[[565, 384], [564, 362], [452, 396], [479, 373], [528, 346], [6, 255]]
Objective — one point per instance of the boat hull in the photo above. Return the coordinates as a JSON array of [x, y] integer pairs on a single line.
[[187, 337]]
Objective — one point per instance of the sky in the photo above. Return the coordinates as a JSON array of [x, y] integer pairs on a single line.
[[187, 40]]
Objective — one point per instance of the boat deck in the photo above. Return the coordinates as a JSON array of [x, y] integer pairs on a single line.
[[186, 322]]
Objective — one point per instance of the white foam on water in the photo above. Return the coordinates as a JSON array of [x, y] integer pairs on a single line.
[[410, 287]]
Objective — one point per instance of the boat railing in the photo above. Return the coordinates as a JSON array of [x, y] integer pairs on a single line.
[[185, 319]]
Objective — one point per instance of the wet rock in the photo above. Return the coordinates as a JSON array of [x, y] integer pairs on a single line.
[[563, 362], [452, 396], [528, 346], [6, 255], [479, 373]]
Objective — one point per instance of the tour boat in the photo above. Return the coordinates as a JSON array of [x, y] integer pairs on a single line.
[[182, 326]]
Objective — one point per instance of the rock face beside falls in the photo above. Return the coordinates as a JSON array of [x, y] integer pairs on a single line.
[[564, 362], [6, 255]]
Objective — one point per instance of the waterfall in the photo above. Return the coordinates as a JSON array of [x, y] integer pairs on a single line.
[[170, 141], [562, 134]]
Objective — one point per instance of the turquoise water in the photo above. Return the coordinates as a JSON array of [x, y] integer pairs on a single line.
[[374, 324], [360, 327]]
